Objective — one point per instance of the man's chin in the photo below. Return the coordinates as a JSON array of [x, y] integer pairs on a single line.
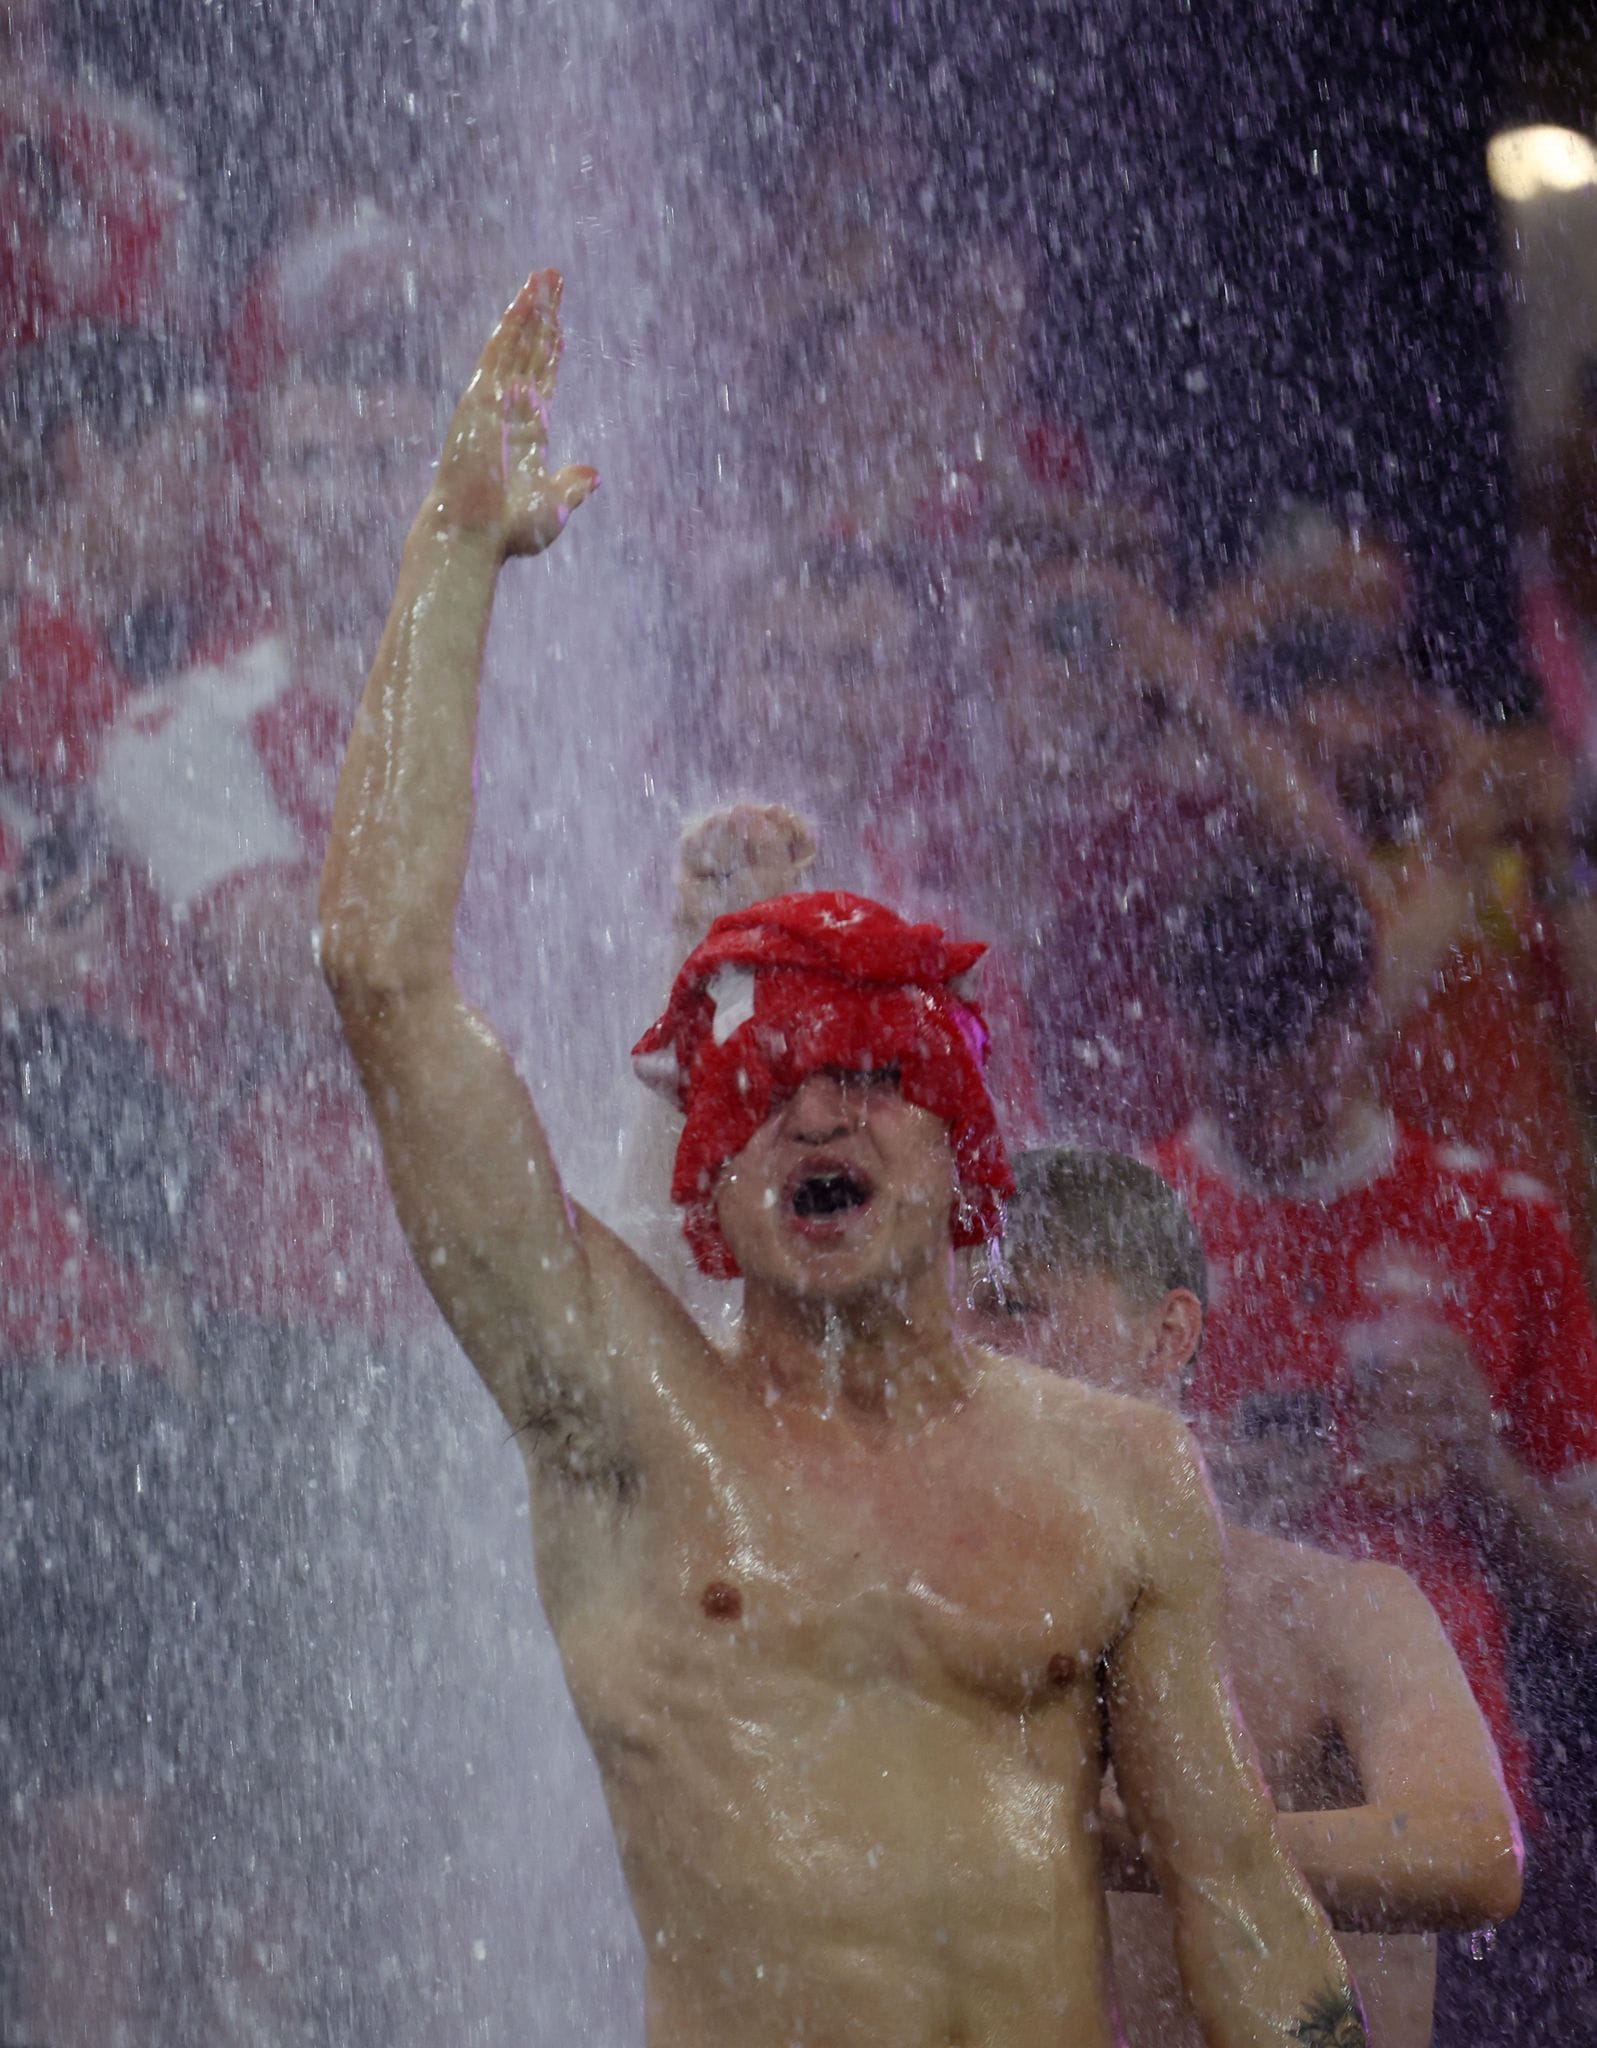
[[816, 1267], [816, 1273]]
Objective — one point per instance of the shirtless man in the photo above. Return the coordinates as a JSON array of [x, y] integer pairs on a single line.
[[1393, 1805], [848, 1612]]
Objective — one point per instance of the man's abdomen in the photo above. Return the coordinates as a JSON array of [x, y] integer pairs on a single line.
[[863, 1864]]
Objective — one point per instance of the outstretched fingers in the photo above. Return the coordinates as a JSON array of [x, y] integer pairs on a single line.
[[522, 357], [537, 338], [492, 474]]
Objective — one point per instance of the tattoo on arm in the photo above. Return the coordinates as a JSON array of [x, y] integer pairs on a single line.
[[1332, 2020]]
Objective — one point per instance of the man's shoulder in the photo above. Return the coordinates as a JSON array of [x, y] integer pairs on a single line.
[[1297, 1577], [1325, 1614], [1053, 1400], [1450, 1193], [1131, 1463], [1123, 1451]]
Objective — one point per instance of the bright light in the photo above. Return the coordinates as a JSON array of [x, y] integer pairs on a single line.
[[1523, 163]]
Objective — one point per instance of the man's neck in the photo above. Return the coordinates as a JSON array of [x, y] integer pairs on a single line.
[[892, 1357]]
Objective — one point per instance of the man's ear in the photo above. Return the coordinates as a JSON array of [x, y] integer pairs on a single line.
[[1178, 1330]]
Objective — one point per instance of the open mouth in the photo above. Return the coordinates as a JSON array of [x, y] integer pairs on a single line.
[[821, 1194]]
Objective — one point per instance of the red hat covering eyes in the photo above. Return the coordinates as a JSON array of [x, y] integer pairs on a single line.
[[808, 982]]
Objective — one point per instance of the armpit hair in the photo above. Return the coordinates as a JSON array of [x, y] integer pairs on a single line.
[[1332, 2020], [559, 1421]]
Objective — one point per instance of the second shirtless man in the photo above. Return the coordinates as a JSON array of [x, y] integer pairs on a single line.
[[850, 1613]]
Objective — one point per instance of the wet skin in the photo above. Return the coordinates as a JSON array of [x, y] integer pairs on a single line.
[[1345, 1681], [841, 1684], [1356, 1701], [832, 1608], [1296, 1627], [837, 1649], [839, 1656]]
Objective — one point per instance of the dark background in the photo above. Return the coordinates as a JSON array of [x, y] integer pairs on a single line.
[[1274, 265]]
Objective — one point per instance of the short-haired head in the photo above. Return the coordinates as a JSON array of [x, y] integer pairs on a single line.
[[113, 448], [1103, 1275], [1108, 1212], [335, 355], [1279, 945], [341, 302], [1272, 969]]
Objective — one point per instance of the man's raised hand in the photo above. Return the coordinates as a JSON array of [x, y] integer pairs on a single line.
[[742, 855], [492, 480]]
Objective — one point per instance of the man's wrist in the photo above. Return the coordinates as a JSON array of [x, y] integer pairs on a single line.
[[437, 526]]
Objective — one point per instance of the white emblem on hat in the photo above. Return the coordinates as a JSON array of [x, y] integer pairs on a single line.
[[732, 993]]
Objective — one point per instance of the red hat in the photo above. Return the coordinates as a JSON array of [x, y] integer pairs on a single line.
[[98, 215], [810, 981]]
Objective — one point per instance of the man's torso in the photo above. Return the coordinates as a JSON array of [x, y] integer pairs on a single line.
[[844, 1697]]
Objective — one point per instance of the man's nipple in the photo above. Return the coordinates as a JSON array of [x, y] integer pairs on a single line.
[[721, 1601]]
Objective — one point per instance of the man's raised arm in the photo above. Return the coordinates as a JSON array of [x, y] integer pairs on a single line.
[[1256, 1954], [518, 1273]]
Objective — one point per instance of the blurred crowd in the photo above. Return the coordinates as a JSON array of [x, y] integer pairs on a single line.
[[206, 1314], [1265, 907]]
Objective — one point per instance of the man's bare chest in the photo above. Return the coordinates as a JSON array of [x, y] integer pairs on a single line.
[[911, 1574]]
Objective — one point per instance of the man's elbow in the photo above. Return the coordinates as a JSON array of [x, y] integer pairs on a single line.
[[368, 974], [352, 968], [1484, 1859], [1496, 1874]]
